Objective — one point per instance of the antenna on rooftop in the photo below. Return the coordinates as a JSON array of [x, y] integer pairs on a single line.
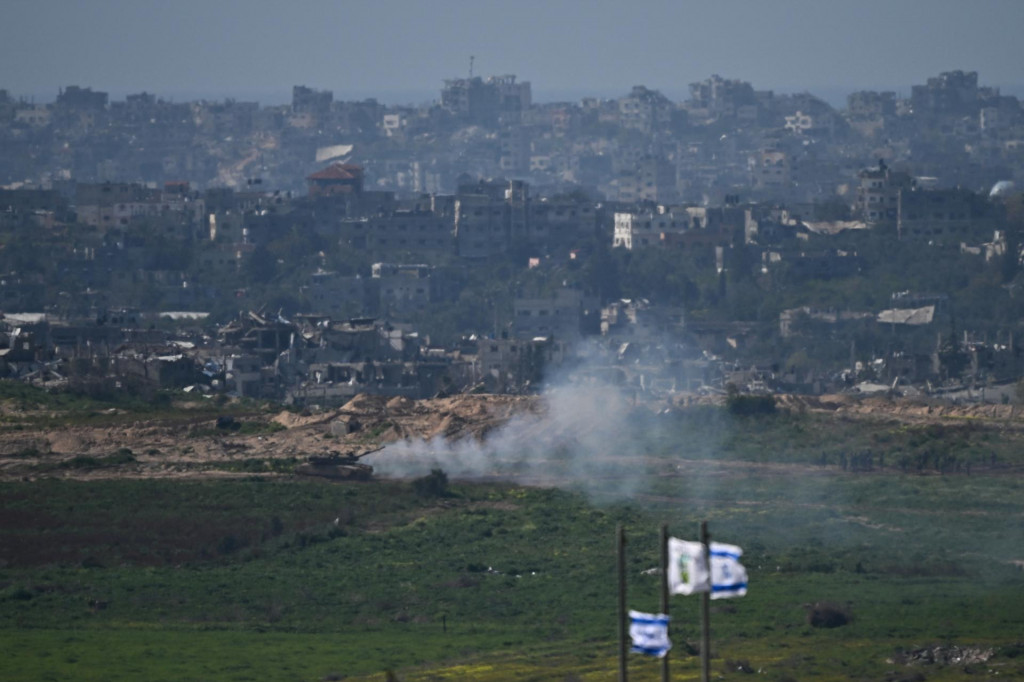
[[471, 58]]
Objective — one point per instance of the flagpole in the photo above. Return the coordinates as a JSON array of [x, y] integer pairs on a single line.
[[620, 549], [705, 609], [664, 593]]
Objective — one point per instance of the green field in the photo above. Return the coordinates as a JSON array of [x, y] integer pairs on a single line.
[[279, 578]]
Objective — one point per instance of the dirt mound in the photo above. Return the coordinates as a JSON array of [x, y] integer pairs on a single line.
[[197, 448], [813, 403], [930, 410], [293, 420], [365, 403], [451, 426], [400, 405]]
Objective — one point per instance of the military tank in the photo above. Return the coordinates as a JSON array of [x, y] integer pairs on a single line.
[[337, 465]]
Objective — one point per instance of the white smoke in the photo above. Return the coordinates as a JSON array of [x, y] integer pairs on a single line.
[[581, 438]]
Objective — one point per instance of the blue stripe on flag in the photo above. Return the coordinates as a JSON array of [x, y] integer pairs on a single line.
[[731, 555], [733, 586], [651, 621], [650, 651]]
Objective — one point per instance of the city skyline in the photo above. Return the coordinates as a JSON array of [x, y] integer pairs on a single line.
[[401, 52]]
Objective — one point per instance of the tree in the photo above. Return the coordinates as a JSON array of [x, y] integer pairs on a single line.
[[261, 266], [434, 484], [600, 274]]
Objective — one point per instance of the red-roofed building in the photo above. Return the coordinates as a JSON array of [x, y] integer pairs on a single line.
[[338, 178]]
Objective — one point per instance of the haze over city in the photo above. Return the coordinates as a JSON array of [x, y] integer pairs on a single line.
[[399, 52]]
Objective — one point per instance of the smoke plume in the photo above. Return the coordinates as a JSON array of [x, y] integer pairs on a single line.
[[588, 435]]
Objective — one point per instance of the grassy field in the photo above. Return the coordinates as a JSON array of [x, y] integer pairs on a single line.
[[278, 578]]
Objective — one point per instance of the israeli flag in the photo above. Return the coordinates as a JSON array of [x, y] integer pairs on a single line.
[[649, 632], [688, 569], [728, 575]]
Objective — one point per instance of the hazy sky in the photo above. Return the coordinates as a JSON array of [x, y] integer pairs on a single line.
[[402, 50]]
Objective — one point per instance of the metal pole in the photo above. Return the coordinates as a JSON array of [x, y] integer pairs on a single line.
[[664, 593], [705, 610], [620, 547]]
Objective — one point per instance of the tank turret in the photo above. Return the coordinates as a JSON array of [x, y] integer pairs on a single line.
[[338, 465]]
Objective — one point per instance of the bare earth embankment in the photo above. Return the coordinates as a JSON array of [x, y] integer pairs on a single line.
[[45, 443]]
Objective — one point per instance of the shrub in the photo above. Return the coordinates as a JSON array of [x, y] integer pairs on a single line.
[[21, 594], [258, 428], [434, 484], [750, 404], [228, 544], [827, 615], [122, 456], [228, 423]]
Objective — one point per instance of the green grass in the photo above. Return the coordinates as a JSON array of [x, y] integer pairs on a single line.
[[305, 579], [40, 409], [824, 439]]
